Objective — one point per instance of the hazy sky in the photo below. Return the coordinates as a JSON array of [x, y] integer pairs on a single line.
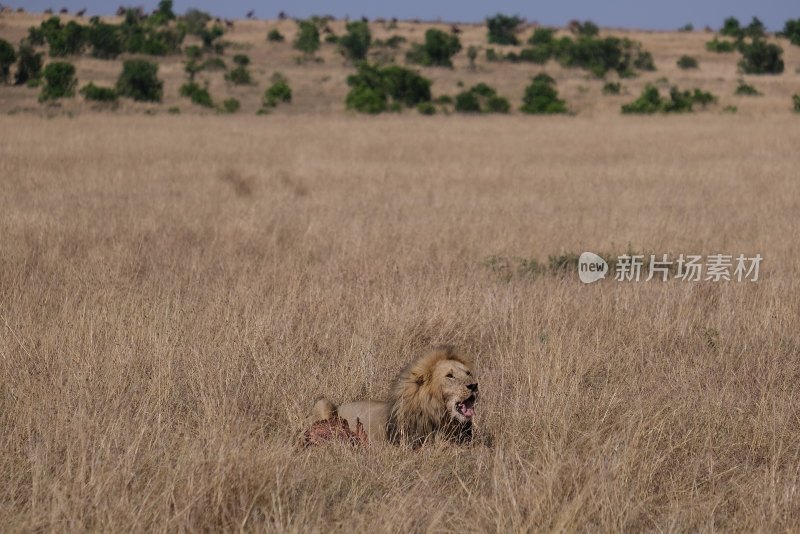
[[645, 14]]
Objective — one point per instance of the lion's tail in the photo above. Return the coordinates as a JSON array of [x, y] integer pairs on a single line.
[[323, 409]]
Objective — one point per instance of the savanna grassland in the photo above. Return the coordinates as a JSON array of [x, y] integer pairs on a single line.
[[175, 291]]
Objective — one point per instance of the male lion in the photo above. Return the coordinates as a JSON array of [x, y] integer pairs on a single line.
[[432, 397]]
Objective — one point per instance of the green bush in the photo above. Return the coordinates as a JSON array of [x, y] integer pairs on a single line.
[[761, 57], [755, 30], [274, 36], [376, 89], [29, 65], [355, 44], [7, 58], [278, 92], [105, 40], [366, 99], [796, 102], [791, 31], [210, 38], [584, 29], [426, 108], [715, 45], [541, 97], [492, 55], [239, 76], [650, 101], [503, 29], [437, 51], [241, 60], [215, 63], [59, 81], [612, 88], [602, 55], [98, 94], [687, 62], [745, 89], [163, 14], [481, 98], [194, 21], [139, 81], [307, 40], [542, 36], [497, 104], [64, 40], [197, 94], [231, 105], [731, 28], [467, 102]]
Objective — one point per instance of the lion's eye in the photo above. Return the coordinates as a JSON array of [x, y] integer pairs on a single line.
[[449, 375]]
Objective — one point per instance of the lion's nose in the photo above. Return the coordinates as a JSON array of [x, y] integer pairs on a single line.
[[473, 387]]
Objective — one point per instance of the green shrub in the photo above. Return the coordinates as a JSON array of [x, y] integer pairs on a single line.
[[332, 38], [64, 40], [98, 94], [731, 28], [426, 108], [791, 31], [542, 36], [503, 29], [241, 60], [650, 101], [745, 89], [215, 63], [467, 102], [29, 65], [602, 55], [538, 54], [541, 97], [715, 45], [139, 81], [194, 21], [197, 94], [59, 81], [307, 40], [376, 89], [239, 75], [366, 99], [472, 55], [687, 62], [163, 14], [584, 29], [761, 57], [686, 28], [755, 30], [7, 58], [796, 102], [105, 40], [612, 88], [231, 105], [497, 104], [274, 36], [437, 51], [703, 97], [444, 100], [278, 92], [492, 55], [355, 44], [730, 109], [210, 38]]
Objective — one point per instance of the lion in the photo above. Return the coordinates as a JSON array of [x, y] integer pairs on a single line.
[[433, 397]]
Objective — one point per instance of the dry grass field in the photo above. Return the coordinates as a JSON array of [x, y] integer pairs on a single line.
[[175, 291]]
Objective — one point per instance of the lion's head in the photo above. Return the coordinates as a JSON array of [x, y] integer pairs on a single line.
[[434, 394]]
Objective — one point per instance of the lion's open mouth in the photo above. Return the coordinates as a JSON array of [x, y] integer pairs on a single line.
[[467, 406]]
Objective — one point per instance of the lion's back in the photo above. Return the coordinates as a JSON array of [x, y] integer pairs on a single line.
[[374, 415]]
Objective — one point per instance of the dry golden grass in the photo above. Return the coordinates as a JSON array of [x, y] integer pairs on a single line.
[[176, 291]]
